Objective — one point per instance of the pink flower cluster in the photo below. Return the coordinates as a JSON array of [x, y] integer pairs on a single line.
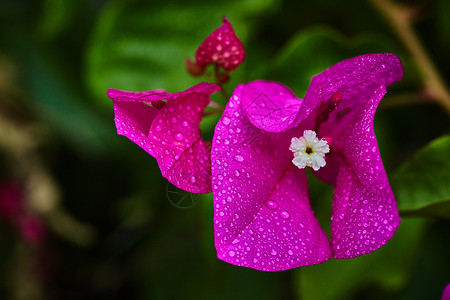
[[262, 214]]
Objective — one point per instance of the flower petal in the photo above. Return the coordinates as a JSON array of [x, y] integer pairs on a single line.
[[270, 106], [352, 78], [365, 214], [171, 134], [356, 79], [262, 217], [222, 47]]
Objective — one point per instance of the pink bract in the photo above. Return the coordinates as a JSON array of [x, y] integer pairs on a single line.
[[169, 131], [262, 216], [221, 47]]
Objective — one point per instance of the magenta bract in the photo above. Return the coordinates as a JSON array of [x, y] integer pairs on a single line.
[[169, 131], [221, 47], [262, 216]]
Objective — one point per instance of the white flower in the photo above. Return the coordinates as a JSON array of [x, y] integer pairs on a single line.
[[309, 151]]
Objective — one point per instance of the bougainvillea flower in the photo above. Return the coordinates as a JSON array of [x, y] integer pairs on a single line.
[[222, 47], [167, 126], [262, 215]]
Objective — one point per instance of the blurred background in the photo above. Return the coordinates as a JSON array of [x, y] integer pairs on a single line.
[[86, 214]]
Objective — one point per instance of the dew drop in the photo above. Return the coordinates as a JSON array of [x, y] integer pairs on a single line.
[[271, 204], [380, 208], [236, 173], [290, 252], [273, 252], [231, 253], [301, 225], [193, 179], [239, 158], [226, 120], [284, 214], [178, 136], [158, 128], [185, 124]]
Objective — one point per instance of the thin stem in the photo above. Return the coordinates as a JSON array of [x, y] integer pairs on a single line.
[[400, 19]]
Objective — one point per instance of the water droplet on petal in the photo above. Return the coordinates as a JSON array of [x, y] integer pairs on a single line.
[[290, 252], [284, 214], [231, 253], [193, 179], [271, 204], [185, 124], [273, 252], [239, 157], [158, 128], [226, 120], [236, 173], [178, 136]]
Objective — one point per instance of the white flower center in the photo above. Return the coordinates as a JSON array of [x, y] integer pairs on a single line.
[[309, 151]]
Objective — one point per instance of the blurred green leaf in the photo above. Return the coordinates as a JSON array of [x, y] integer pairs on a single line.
[[57, 16], [422, 184], [388, 268], [142, 45], [314, 49]]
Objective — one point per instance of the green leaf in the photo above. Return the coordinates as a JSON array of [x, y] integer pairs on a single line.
[[387, 268], [142, 45], [314, 49], [422, 184], [57, 16]]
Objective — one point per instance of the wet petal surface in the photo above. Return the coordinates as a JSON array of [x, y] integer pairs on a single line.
[[171, 133], [222, 47], [365, 214], [262, 217], [353, 78], [270, 106]]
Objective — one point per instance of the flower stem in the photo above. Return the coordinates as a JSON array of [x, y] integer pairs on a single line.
[[401, 20]]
